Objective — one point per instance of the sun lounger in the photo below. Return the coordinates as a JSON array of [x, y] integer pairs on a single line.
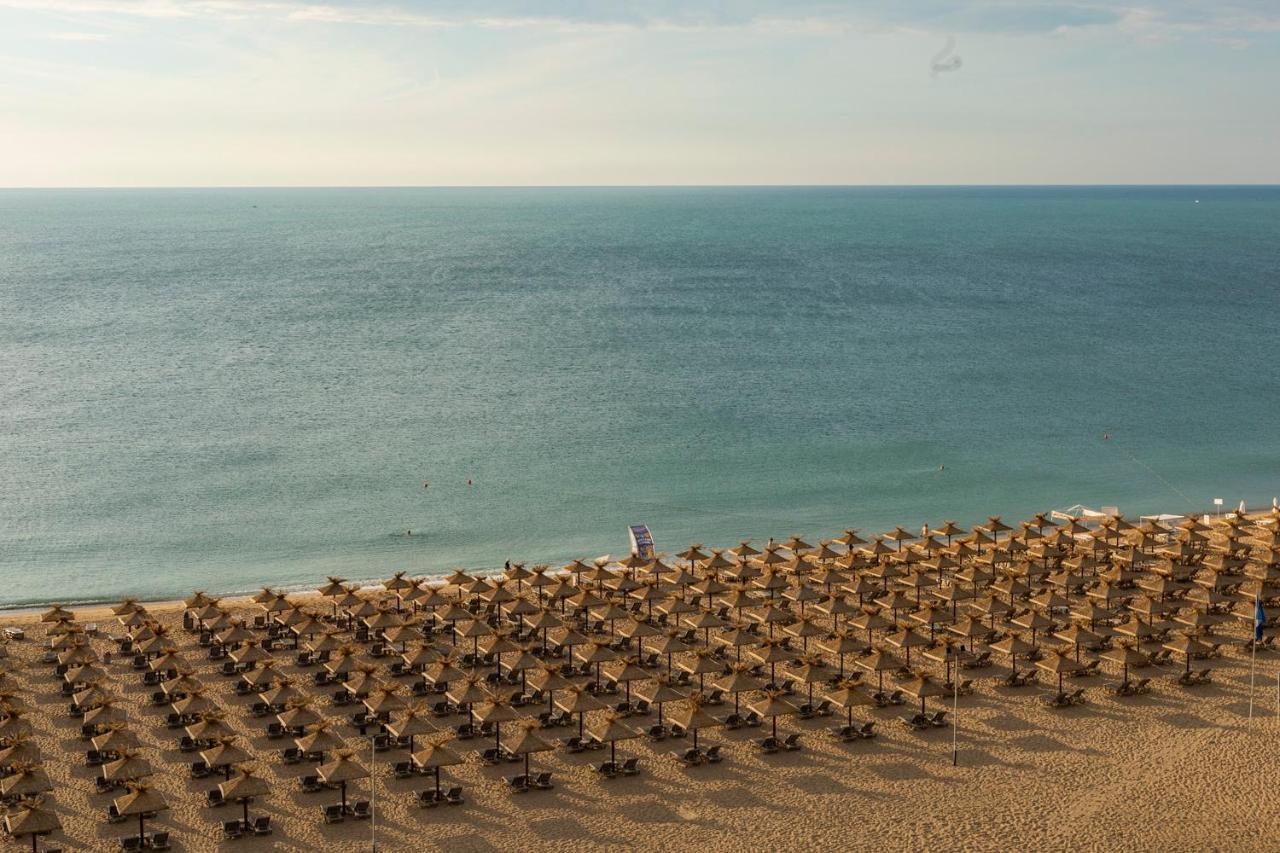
[[1060, 700], [768, 745], [234, 829], [607, 769], [631, 766], [426, 799], [362, 809], [937, 719], [916, 722], [689, 756], [454, 796], [1077, 697], [541, 780], [213, 798], [333, 813], [519, 784], [791, 743], [159, 841]]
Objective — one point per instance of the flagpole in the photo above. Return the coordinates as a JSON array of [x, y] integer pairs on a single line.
[[955, 709], [1253, 661]]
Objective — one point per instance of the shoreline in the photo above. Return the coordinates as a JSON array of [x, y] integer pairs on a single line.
[[17, 611]]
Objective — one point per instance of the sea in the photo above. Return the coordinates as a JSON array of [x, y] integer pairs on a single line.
[[225, 389]]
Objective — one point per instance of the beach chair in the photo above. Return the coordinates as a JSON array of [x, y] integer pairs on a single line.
[[113, 814], [542, 780], [866, 732], [753, 720], [844, 733], [233, 830], [631, 767], [361, 810], [768, 745], [1076, 698], [333, 813], [425, 799], [200, 770], [712, 754], [656, 732], [159, 841], [262, 825], [916, 722], [791, 743], [93, 758], [311, 785], [103, 785], [689, 757], [1202, 676], [676, 731], [275, 731], [1059, 700], [937, 719], [454, 796], [290, 755], [402, 770], [130, 844], [213, 798], [607, 769], [519, 784], [573, 744], [1143, 685]]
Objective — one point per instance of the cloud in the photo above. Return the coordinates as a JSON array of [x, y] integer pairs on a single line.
[[78, 36], [805, 17]]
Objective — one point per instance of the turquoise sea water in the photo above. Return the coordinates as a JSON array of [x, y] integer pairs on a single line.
[[220, 389]]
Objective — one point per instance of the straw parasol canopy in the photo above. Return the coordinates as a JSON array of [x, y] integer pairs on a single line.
[[130, 767], [341, 770], [692, 716], [434, 756], [527, 741], [320, 738], [612, 729], [26, 780], [850, 694], [225, 754], [244, 787], [34, 820], [140, 801], [923, 686], [773, 704]]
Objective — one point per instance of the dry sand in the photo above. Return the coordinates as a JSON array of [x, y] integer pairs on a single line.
[[1179, 769]]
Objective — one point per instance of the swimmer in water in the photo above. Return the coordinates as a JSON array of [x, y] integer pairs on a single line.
[[942, 467], [425, 484]]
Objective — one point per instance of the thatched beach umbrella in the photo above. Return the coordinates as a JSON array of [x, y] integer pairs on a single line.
[[341, 770], [434, 756], [773, 704], [921, 687], [527, 741], [32, 819], [244, 787], [140, 801], [612, 729], [691, 716], [850, 694]]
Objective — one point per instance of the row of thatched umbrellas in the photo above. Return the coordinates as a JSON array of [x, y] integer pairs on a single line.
[[1095, 572]]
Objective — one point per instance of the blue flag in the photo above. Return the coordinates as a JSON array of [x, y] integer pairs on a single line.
[[1259, 618]]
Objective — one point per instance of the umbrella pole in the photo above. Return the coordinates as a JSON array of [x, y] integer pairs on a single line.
[[142, 819], [245, 802], [437, 783]]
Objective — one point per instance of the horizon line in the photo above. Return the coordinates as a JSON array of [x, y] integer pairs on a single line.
[[1010, 185]]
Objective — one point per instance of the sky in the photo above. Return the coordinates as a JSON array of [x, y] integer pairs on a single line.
[[571, 92]]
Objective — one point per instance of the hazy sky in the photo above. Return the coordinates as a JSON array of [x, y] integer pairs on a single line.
[[235, 92]]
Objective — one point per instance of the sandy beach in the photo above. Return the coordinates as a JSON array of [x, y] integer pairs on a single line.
[[1175, 768]]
